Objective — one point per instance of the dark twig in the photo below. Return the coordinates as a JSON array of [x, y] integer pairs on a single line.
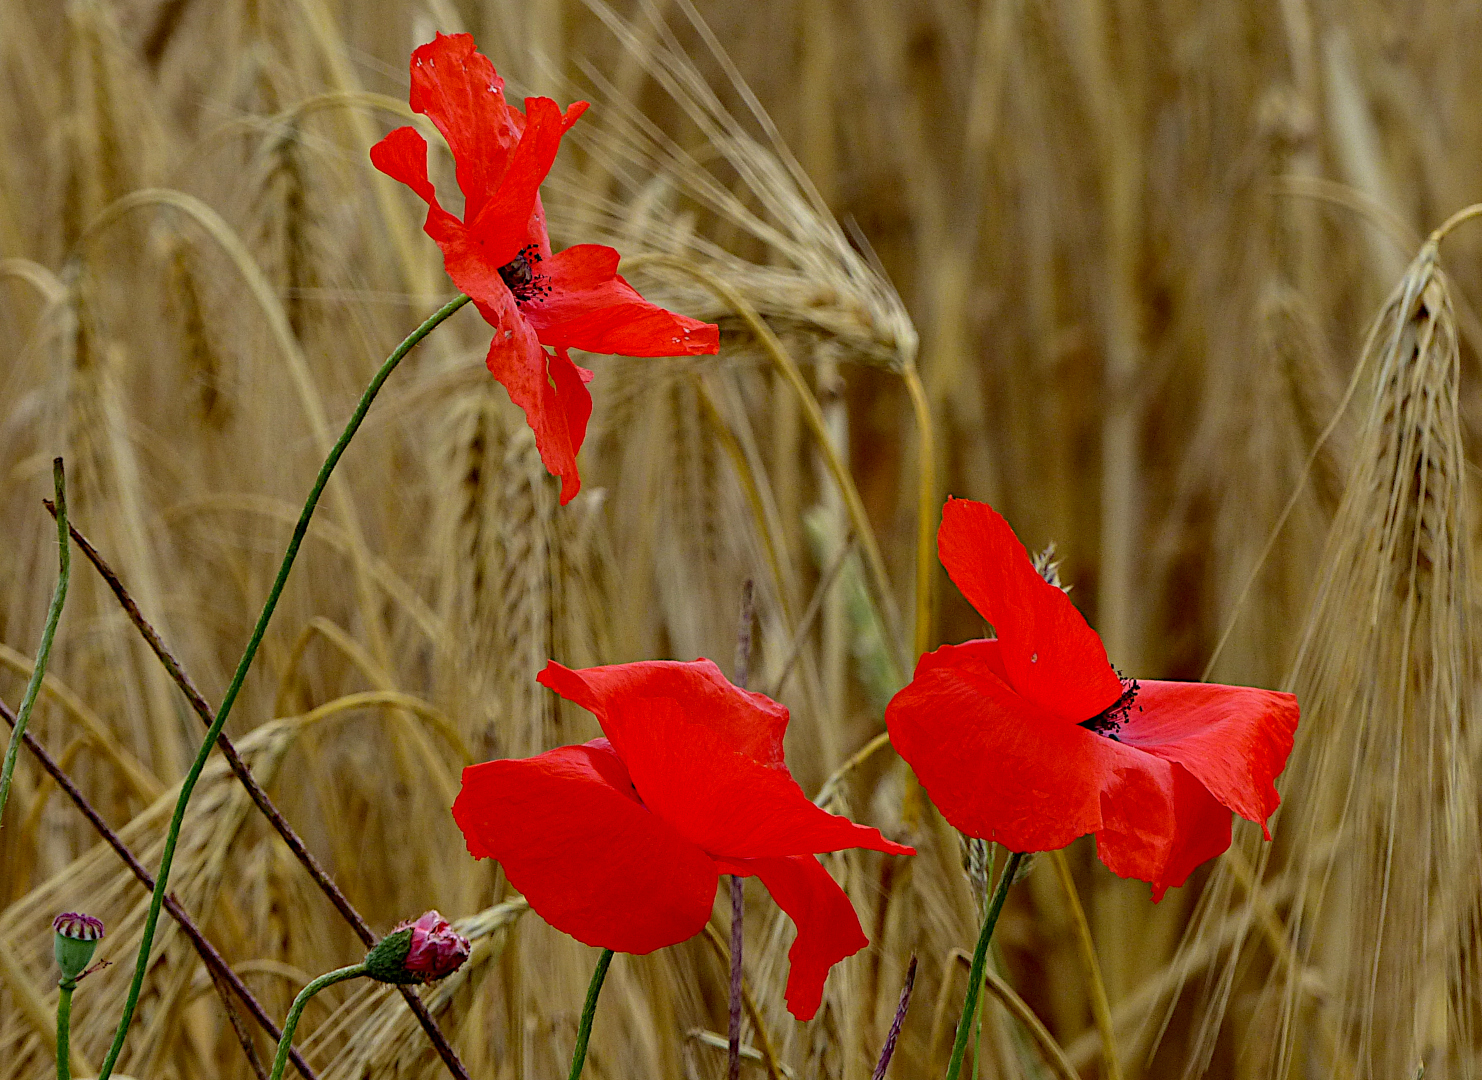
[[733, 1044], [743, 634], [743, 663], [888, 1050], [235, 1019], [260, 797], [218, 967]]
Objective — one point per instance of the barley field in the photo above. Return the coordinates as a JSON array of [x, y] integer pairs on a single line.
[[1152, 278]]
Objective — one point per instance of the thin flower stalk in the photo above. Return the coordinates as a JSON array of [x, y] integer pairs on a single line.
[[64, 1029], [588, 1013], [48, 634], [980, 960], [187, 786], [296, 1010]]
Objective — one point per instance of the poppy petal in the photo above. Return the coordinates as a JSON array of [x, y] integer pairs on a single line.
[[549, 388], [571, 835], [502, 224], [569, 402], [590, 307], [402, 155], [1233, 739], [691, 775], [828, 928], [995, 764], [727, 804], [751, 723], [1160, 823], [456, 87], [1052, 656]]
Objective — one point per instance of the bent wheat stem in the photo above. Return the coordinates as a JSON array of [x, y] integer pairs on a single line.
[[1463, 215], [926, 509], [187, 786], [1100, 1007]]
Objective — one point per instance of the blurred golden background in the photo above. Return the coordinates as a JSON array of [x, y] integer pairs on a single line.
[[1134, 251]]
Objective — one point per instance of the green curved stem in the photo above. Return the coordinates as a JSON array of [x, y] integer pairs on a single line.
[[290, 1023], [980, 959], [64, 1030], [48, 633], [589, 1010], [187, 786]]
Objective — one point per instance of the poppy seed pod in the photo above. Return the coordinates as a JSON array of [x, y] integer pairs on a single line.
[[417, 952], [76, 939]]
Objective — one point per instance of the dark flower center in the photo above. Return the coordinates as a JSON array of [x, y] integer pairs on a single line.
[[519, 274], [1108, 722]]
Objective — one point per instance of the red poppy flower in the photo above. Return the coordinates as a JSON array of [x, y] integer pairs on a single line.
[[620, 842], [1032, 739], [500, 254]]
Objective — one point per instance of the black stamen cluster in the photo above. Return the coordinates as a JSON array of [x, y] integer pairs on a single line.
[[520, 276], [1109, 721]]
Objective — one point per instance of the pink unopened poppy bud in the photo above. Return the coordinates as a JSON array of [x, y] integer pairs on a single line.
[[422, 951], [436, 949]]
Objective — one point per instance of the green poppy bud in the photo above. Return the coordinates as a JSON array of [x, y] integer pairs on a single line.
[[76, 939]]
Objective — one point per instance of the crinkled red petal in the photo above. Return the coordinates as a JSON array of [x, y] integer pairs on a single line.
[[590, 306], [999, 767], [1053, 658], [751, 724], [717, 797], [569, 402], [402, 155], [994, 763], [572, 836], [456, 87], [548, 387], [1159, 822], [502, 224], [828, 928], [1233, 739]]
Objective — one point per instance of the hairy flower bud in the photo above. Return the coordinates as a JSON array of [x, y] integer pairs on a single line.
[[417, 952], [76, 939]]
